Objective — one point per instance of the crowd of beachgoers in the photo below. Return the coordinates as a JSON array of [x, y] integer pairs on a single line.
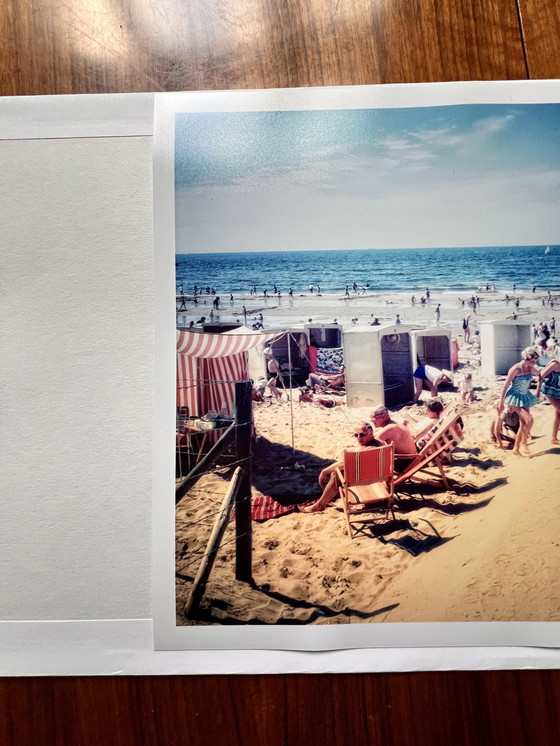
[[494, 554]]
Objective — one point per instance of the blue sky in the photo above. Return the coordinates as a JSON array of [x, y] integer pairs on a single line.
[[469, 175]]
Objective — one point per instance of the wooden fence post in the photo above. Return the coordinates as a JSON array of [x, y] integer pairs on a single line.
[[243, 528]]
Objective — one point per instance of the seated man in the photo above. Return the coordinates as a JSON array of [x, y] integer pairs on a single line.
[[426, 376], [389, 431], [328, 476], [417, 428]]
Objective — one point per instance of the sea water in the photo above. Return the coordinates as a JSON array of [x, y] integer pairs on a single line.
[[380, 270]]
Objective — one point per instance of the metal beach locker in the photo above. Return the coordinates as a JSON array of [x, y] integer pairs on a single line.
[[432, 346], [501, 343], [378, 365]]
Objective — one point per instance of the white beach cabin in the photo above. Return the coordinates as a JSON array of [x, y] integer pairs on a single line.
[[290, 348], [432, 346], [378, 365], [501, 343]]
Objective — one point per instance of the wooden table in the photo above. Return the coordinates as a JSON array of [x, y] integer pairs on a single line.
[[102, 46]]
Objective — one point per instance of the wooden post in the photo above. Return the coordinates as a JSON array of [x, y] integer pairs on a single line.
[[243, 528], [199, 584]]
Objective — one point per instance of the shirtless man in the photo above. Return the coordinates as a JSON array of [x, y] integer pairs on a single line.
[[274, 372], [389, 431], [328, 476]]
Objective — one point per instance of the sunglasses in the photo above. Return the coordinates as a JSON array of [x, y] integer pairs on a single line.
[[361, 435]]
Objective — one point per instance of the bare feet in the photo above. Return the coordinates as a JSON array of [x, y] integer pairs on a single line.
[[313, 508], [525, 453], [555, 442]]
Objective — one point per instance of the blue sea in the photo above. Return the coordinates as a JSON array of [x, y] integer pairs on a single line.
[[392, 270]]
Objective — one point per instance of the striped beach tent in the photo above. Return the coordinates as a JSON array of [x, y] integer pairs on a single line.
[[208, 365]]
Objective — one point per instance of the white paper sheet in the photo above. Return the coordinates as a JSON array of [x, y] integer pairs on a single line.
[[78, 405]]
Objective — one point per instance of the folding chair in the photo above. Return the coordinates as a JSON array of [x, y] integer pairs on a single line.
[[367, 484], [435, 447]]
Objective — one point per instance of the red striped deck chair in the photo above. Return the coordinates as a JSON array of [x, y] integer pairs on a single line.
[[366, 485], [435, 448]]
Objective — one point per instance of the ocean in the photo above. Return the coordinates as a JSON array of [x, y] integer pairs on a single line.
[[390, 270]]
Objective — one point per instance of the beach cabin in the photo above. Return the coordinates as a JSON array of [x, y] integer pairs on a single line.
[[290, 348], [378, 365], [432, 346], [501, 343], [324, 347]]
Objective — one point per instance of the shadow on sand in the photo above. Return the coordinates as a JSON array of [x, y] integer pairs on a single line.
[[415, 537], [318, 611]]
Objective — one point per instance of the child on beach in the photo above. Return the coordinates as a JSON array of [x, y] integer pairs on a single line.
[[466, 388], [508, 419]]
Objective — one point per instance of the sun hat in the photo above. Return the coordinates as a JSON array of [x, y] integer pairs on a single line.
[[448, 374]]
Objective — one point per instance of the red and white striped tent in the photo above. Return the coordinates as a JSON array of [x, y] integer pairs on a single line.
[[208, 365]]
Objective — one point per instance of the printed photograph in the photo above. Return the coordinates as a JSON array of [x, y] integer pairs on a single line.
[[368, 368]]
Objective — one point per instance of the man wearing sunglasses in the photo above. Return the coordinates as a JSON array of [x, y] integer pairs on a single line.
[[328, 476]]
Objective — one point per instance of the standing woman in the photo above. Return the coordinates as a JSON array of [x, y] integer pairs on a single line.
[[466, 328], [516, 394], [550, 379]]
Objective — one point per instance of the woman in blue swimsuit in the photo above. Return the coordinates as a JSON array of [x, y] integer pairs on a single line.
[[516, 394], [550, 377]]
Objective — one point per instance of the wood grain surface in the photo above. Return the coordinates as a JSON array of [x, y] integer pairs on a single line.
[[104, 46]]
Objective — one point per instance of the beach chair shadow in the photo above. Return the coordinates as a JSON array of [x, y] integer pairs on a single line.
[[415, 537], [366, 486]]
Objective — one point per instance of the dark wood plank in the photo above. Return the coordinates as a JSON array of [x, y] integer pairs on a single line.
[[541, 30], [497, 708], [138, 45]]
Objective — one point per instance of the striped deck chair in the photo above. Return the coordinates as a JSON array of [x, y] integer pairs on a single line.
[[366, 485], [435, 448]]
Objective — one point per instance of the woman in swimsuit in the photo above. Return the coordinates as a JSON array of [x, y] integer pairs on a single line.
[[516, 394], [550, 379]]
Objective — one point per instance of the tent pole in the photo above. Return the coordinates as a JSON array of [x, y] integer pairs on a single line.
[[291, 393]]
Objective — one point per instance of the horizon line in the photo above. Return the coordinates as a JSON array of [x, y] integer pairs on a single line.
[[382, 248]]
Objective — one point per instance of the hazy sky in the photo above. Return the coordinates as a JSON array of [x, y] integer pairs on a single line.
[[473, 175]]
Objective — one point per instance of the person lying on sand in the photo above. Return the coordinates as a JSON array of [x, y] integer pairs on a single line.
[[328, 478], [324, 382], [389, 431], [307, 396]]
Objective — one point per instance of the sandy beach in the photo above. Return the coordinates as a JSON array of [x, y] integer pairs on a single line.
[[487, 550]]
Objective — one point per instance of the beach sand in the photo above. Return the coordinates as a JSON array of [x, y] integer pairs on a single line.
[[486, 551]]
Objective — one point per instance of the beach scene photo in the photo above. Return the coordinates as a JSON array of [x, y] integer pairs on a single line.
[[388, 282]]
